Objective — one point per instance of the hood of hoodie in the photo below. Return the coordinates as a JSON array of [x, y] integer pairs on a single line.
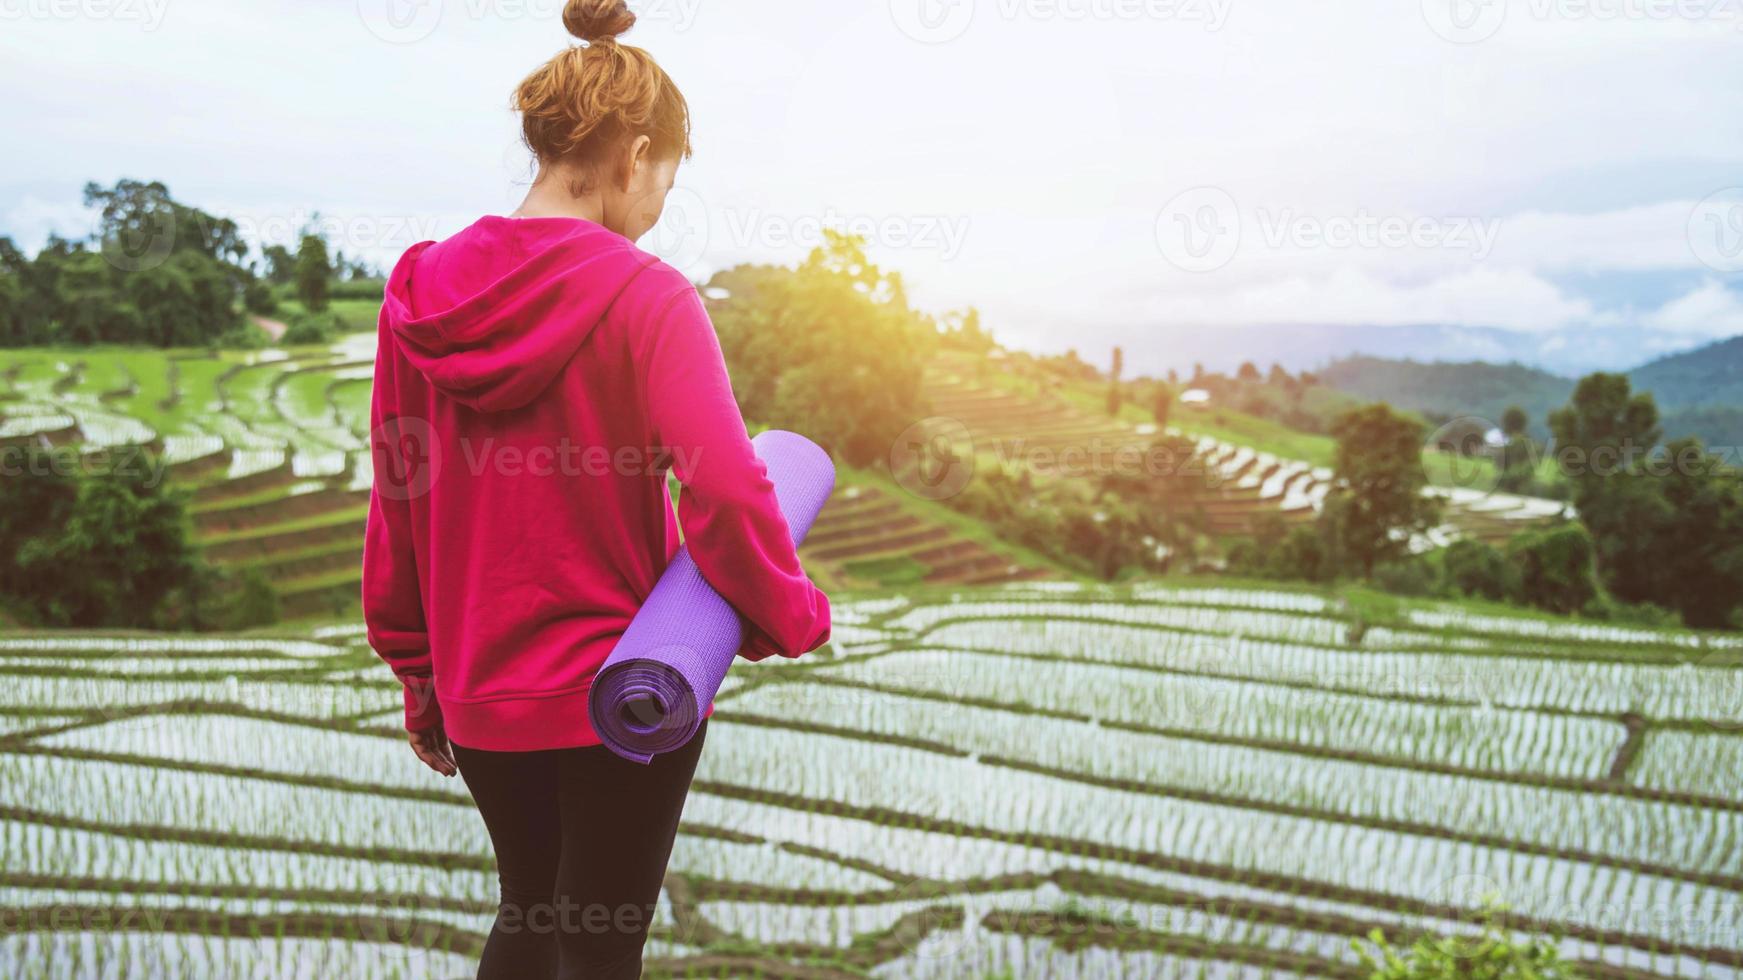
[[492, 315]]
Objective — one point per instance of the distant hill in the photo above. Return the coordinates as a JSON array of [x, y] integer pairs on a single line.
[[1570, 353], [1700, 392], [1475, 388], [1710, 376]]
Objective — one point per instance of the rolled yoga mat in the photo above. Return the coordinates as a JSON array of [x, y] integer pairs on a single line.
[[651, 693]]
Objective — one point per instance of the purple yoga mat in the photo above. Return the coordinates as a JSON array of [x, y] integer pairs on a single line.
[[650, 695]]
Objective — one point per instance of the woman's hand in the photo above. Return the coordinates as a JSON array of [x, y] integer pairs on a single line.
[[431, 745]]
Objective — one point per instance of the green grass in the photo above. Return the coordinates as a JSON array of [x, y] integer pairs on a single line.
[[891, 572], [959, 524], [349, 515], [1260, 434], [355, 315]]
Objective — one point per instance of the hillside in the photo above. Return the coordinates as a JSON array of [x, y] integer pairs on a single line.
[[1699, 393], [1451, 389]]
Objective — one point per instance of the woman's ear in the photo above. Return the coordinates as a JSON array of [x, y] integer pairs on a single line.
[[637, 163]]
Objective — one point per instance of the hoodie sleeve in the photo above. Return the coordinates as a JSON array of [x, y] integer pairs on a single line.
[[393, 606], [731, 520]]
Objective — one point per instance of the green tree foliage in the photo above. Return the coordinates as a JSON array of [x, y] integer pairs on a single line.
[[1666, 521], [103, 542], [314, 273], [830, 349], [1514, 422], [103, 548], [963, 331], [154, 271], [1377, 503], [281, 265], [1472, 568], [1494, 955], [1699, 552], [312, 328], [1556, 570], [1115, 394], [1277, 551]]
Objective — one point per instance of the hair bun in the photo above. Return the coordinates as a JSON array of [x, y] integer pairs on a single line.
[[598, 20]]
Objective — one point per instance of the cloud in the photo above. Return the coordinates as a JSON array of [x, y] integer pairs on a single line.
[[1709, 310]]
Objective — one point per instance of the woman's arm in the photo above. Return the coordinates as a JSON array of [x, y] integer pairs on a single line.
[[393, 607], [732, 523]]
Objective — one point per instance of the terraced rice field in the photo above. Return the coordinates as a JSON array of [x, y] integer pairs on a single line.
[[272, 446], [1030, 780], [1238, 485]]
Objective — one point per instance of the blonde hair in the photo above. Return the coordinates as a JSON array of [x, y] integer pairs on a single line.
[[587, 102]]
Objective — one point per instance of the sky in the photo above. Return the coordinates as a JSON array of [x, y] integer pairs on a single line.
[[1085, 172]]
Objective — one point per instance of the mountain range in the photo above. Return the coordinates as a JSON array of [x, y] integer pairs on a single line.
[[1569, 353], [1699, 392]]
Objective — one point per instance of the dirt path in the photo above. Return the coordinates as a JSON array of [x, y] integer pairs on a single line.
[[274, 328]]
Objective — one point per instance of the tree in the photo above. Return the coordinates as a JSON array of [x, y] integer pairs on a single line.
[[1602, 437], [1249, 372], [1699, 550], [1162, 406], [1114, 394], [830, 349], [118, 547], [281, 265], [1378, 502], [314, 273], [1514, 422], [1556, 570], [1279, 378], [1473, 568]]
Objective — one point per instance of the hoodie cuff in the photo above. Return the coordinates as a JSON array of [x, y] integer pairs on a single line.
[[422, 710]]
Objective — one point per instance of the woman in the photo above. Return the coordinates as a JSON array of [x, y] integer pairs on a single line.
[[537, 376]]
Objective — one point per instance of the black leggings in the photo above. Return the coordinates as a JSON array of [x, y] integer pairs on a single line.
[[582, 838]]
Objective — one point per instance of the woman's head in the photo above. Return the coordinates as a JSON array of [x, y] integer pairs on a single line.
[[605, 119]]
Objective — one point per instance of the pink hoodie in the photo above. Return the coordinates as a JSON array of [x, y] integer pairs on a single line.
[[535, 381]]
